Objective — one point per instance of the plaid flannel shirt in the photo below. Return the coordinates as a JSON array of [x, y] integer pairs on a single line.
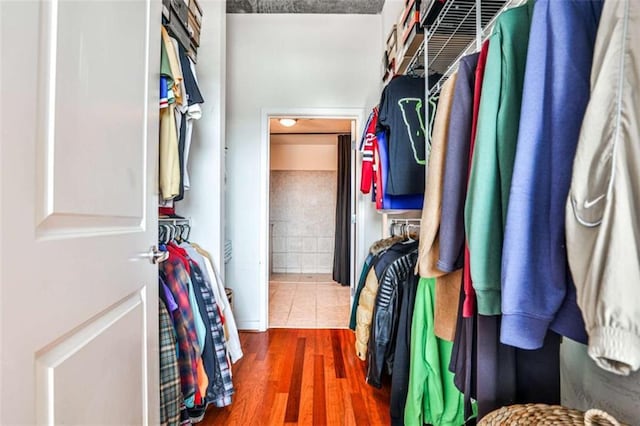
[[222, 384], [175, 276], [170, 390]]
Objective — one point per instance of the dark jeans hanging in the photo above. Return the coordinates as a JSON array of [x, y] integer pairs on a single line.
[[342, 244]]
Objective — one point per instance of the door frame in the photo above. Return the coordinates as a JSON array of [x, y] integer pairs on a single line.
[[356, 114]]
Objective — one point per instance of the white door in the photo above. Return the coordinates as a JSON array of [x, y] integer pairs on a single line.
[[78, 304]]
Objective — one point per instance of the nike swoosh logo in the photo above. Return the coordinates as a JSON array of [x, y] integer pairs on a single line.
[[588, 204]]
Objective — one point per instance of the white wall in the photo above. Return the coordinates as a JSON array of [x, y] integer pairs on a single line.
[[288, 62], [204, 203], [304, 152], [390, 15]]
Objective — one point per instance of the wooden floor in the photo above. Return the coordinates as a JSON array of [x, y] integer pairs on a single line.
[[305, 377]]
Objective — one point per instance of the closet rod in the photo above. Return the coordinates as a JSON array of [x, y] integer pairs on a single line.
[[400, 221], [174, 221]]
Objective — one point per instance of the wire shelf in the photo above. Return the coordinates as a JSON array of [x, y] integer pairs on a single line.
[[454, 33]]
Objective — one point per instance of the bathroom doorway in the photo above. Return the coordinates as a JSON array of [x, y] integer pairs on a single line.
[[303, 193]]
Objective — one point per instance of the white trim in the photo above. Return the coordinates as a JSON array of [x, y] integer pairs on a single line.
[[263, 239]]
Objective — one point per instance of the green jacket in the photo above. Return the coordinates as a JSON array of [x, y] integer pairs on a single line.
[[494, 153], [432, 397]]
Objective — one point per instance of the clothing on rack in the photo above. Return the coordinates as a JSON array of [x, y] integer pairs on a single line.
[[231, 330], [368, 263], [603, 206], [169, 166], [463, 363], [500, 145], [494, 152], [432, 396], [383, 199], [174, 274], [402, 352], [507, 375], [469, 307], [401, 109], [447, 285], [189, 112], [367, 178], [180, 100], [364, 304], [194, 111], [454, 181], [200, 323], [433, 187], [171, 55], [170, 391], [381, 348], [464, 353], [214, 355], [537, 286]]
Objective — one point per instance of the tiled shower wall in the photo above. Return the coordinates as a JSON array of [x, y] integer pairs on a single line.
[[302, 216]]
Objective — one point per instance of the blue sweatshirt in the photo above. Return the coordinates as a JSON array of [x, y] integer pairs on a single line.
[[537, 291]]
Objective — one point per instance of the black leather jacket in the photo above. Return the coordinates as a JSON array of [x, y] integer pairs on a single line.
[[385, 316]]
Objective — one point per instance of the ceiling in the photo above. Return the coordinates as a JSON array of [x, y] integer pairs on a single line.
[[312, 126], [359, 7]]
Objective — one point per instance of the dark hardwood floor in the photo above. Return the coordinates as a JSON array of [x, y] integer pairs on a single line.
[[305, 377]]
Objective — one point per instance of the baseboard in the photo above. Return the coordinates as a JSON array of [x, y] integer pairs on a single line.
[[250, 325]]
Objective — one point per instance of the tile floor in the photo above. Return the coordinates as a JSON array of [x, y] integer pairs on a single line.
[[307, 301]]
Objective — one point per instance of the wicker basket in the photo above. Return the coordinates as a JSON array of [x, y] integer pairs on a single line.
[[542, 414]]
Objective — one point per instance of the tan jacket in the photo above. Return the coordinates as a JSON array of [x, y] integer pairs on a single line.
[[447, 285], [603, 207], [367, 301]]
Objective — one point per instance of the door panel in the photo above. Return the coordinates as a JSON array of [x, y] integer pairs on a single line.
[[92, 115], [78, 302], [84, 359]]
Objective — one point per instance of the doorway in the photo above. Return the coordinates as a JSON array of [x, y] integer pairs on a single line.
[[304, 190]]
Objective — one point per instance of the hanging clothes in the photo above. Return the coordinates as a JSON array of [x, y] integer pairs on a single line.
[[170, 393], [194, 111], [448, 285], [602, 209], [174, 274], [432, 397], [469, 307], [367, 297], [386, 310], [454, 181], [231, 329], [170, 95], [536, 283], [190, 111], [384, 200], [401, 109], [187, 288], [360, 286], [494, 152], [464, 353], [367, 177], [216, 364], [402, 352]]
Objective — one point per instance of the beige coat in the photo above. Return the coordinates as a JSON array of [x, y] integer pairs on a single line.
[[447, 285], [603, 207]]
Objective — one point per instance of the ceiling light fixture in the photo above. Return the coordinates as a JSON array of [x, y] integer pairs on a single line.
[[288, 122]]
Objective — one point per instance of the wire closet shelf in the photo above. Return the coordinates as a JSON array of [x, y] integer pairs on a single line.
[[458, 30]]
